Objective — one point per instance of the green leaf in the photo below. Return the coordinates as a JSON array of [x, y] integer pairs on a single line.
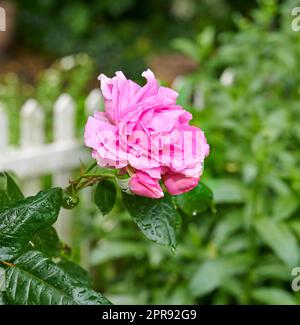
[[226, 227], [227, 190], [158, 219], [285, 206], [195, 201], [207, 278], [211, 274], [9, 190], [105, 196], [70, 200], [36, 280], [273, 296], [47, 241], [18, 224], [111, 250], [235, 244], [2, 299], [280, 239], [186, 46], [75, 271], [3, 182], [295, 225], [270, 271], [2, 284], [236, 288]]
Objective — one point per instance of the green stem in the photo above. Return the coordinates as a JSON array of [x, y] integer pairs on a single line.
[[91, 167], [97, 175], [7, 263], [86, 179]]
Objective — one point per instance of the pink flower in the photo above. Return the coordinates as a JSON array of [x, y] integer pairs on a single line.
[[177, 183], [144, 185], [143, 130]]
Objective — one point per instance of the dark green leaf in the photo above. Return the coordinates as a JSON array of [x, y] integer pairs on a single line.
[[227, 190], [273, 296], [76, 272], [70, 200], [277, 271], [211, 274], [235, 288], [158, 219], [3, 182], [235, 244], [285, 206], [9, 190], [295, 226], [226, 227], [47, 241], [105, 196], [35, 279], [196, 201], [207, 278], [2, 299], [111, 250], [280, 239], [18, 224], [2, 284]]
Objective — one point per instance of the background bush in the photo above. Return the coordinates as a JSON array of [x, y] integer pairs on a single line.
[[119, 34], [244, 253]]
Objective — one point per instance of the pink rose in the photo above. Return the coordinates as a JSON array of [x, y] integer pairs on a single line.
[[144, 185], [143, 130], [179, 183]]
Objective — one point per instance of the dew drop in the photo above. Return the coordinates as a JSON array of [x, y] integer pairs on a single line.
[[70, 200], [194, 213]]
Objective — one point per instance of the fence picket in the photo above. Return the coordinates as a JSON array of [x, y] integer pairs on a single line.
[[31, 137], [64, 118], [94, 102], [64, 132], [32, 124]]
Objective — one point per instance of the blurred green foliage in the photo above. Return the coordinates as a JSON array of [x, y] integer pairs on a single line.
[[244, 253], [118, 34]]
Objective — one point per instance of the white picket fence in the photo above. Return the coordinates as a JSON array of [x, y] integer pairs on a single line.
[[35, 158]]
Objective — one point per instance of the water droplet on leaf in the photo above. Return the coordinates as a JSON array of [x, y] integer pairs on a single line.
[[70, 201]]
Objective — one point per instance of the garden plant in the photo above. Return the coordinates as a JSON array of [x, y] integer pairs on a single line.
[[142, 139], [160, 233]]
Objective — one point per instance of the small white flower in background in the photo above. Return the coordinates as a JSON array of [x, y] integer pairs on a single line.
[[67, 62], [227, 77], [83, 59], [183, 9], [52, 76]]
